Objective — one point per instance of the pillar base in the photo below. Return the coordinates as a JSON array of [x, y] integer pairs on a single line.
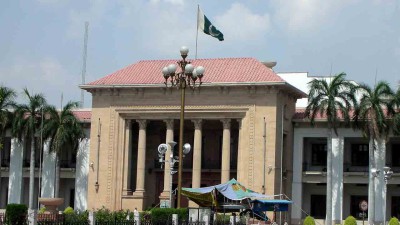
[[164, 195], [139, 194], [296, 221], [137, 200], [127, 192], [336, 222]]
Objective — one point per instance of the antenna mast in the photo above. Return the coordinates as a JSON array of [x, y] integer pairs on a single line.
[[84, 62]]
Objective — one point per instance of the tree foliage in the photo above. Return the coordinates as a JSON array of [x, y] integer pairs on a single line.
[[375, 106], [334, 99]]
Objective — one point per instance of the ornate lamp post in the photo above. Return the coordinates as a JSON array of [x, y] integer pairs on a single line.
[[387, 172], [186, 77], [162, 149]]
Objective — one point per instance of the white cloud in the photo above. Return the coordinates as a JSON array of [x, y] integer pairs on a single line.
[[239, 23], [306, 15], [51, 2], [95, 14], [45, 75], [173, 2], [156, 27]]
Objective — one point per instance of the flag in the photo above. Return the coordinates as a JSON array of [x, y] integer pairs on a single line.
[[206, 26]]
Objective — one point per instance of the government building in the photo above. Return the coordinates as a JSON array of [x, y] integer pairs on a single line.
[[245, 121]]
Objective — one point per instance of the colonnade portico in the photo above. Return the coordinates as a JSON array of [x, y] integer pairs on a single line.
[[139, 192], [303, 177]]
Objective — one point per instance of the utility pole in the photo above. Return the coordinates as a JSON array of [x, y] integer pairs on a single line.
[[84, 62]]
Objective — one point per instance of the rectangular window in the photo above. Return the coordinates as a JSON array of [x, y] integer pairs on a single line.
[[396, 155], [359, 155], [355, 210], [5, 152], [318, 206], [72, 197], [395, 207], [318, 154]]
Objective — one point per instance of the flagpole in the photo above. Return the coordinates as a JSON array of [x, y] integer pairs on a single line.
[[197, 29]]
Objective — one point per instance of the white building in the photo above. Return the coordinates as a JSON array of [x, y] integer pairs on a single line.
[[14, 176]]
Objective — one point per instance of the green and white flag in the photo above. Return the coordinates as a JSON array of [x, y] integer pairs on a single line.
[[206, 26]]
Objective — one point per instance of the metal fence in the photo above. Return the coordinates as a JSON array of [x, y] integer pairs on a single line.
[[58, 219], [127, 222]]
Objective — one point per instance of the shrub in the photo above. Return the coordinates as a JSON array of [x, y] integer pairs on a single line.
[[309, 221], [16, 214], [42, 210], [105, 215], [165, 214], [223, 218], [69, 210], [182, 213], [144, 216], [350, 220], [76, 216], [394, 221]]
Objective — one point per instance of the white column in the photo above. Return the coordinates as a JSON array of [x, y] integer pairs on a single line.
[[169, 136], [380, 154], [141, 159], [337, 179], [297, 184], [127, 159], [371, 186], [240, 149], [81, 174], [15, 174], [48, 172], [32, 216], [226, 150], [196, 174]]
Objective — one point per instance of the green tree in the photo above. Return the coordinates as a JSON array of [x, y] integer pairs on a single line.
[[64, 133], [371, 117], [396, 117], [27, 122], [334, 100], [7, 103]]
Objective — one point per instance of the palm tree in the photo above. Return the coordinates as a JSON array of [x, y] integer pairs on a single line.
[[64, 132], [371, 116], [25, 126], [334, 100], [396, 117], [7, 103]]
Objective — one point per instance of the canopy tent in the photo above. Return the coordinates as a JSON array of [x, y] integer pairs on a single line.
[[275, 205], [211, 196]]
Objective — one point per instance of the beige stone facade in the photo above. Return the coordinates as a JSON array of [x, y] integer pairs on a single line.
[[223, 124]]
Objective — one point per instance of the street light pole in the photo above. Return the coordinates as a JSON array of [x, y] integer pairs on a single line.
[[180, 147], [162, 149], [172, 162], [186, 77]]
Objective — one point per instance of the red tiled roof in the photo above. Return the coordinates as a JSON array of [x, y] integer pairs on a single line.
[[83, 115], [216, 71], [300, 115]]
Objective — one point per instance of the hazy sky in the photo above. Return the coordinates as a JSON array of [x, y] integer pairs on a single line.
[[41, 41]]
